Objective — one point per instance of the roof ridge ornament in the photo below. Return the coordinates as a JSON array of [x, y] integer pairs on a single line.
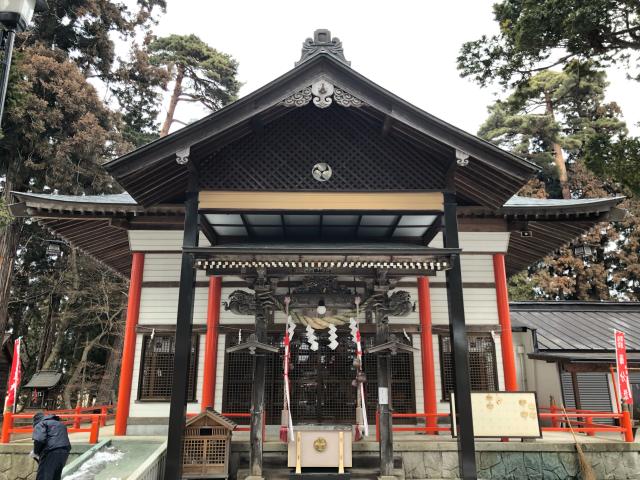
[[322, 43], [321, 92]]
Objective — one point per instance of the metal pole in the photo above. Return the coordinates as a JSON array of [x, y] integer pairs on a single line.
[[186, 295], [8, 37], [384, 396], [257, 395], [459, 345]]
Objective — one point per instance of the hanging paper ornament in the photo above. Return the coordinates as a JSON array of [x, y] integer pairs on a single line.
[[333, 337], [311, 338], [291, 327]]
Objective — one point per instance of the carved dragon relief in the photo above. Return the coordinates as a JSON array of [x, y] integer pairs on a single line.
[[322, 92], [305, 297]]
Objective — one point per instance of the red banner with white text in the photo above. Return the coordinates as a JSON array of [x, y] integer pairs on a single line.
[[15, 376], [621, 365]]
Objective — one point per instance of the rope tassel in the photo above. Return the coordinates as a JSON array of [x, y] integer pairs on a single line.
[[362, 427], [286, 422]]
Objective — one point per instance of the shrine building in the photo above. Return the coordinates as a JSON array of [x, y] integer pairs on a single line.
[[328, 197]]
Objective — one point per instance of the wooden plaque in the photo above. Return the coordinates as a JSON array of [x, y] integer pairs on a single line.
[[502, 414]]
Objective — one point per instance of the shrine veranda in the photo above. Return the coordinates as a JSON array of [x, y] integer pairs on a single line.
[[319, 187]]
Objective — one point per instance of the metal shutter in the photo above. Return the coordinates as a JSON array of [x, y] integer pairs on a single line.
[[594, 391]]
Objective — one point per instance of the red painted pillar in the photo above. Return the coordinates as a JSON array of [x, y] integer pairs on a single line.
[[129, 344], [426, 344], [504, 316], [211, 342]]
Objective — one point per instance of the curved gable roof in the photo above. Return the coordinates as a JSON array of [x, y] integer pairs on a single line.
[[151, 175]]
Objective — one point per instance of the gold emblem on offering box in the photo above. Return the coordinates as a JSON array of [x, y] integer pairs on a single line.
[[320, 444]]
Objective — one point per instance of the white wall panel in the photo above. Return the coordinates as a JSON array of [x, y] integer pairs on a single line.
[[165, 267], [480, 307], [490, 242], [499, 366], [159, 306], [417, 373], [217, 397], [163, 240]]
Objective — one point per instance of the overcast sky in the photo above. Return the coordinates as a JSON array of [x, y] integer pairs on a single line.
[[407, 47]]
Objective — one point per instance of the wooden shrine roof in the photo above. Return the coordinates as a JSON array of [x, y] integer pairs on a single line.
[[99, 225], [387, 143]]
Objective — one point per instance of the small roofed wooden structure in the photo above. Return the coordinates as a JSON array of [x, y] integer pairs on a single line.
[[207, 445], [45, 388]]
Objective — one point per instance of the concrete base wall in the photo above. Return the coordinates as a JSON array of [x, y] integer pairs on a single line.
[[15, 463], [522, 465], [495, 461]]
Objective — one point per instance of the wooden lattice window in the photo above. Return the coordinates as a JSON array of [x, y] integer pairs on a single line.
[[482, 364], [321, 381], [156, 372]]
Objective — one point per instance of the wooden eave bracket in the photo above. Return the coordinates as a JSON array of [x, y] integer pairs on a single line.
[[253, 345]]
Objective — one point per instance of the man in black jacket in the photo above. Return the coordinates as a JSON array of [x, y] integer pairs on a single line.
[[51, 445]]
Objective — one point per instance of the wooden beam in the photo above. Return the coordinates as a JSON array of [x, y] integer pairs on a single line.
[[186, 297], [207, 229], [432, 231], [325, 201], [459, 346]]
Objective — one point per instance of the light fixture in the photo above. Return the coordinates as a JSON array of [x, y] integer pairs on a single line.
[[53, 250], [322, 309], [15, 15], [583, 250]]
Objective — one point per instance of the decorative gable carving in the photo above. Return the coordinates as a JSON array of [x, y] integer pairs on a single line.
[[323, 93]]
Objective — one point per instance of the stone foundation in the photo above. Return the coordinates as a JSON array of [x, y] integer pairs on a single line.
[[15, 463], [495, 460]]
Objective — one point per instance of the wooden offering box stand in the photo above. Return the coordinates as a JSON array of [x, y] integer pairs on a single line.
[[319, 449]]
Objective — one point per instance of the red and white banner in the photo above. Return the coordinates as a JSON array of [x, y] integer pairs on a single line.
[[14, 379], [621, 366]]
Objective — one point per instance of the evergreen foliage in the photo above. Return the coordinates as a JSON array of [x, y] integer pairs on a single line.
[[57, 132], [552, 54], [565, 111], [200, 73], [542, 34]]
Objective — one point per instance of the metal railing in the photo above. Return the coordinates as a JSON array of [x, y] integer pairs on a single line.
[[433, 429], [106, 412], [9, 428], [581, 421], [585, 421]]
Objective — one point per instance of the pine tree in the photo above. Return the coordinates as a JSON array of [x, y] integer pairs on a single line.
[[589, 133], [137, 86], [199, 73], [540, 35], [555, 114], [57, 133]]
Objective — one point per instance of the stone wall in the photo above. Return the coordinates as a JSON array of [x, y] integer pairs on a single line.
[[516, 461], [15, 463], [495, 460]]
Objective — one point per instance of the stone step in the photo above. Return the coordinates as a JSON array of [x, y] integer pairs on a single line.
[[356, 474]]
